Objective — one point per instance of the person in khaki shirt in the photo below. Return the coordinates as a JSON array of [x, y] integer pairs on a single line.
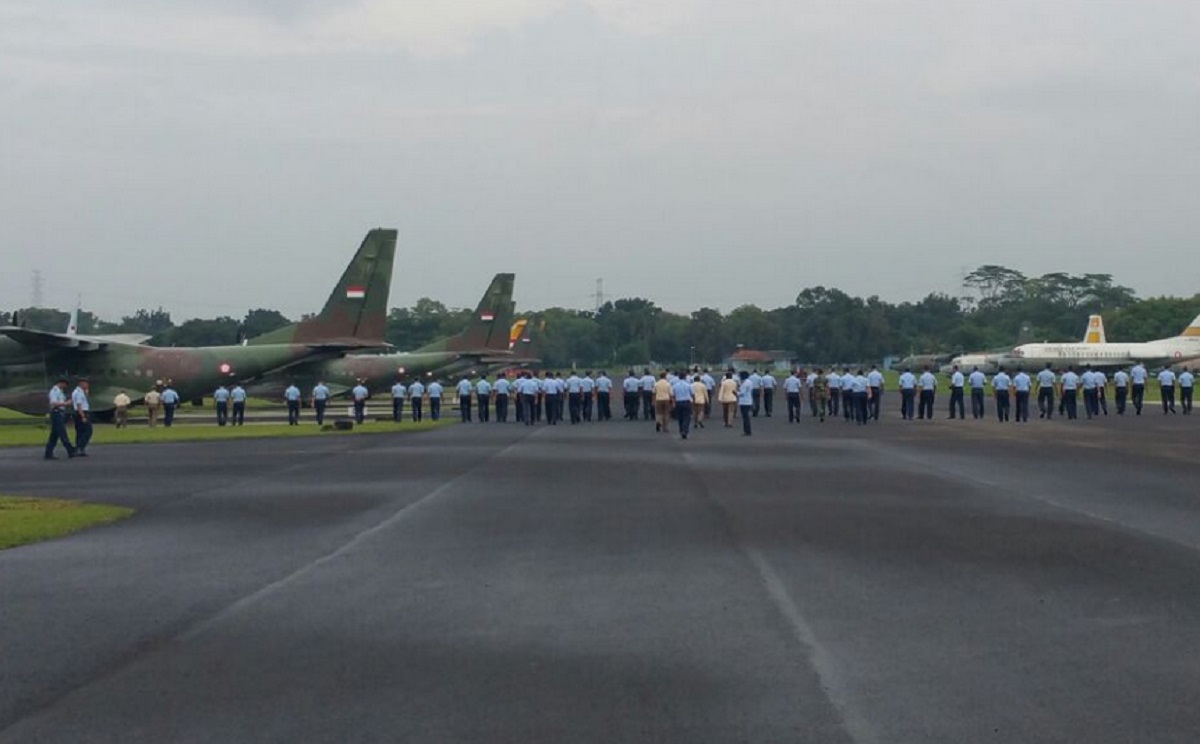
[[727, 397], [699, 401], [662, 403], [153, 401], [121, 403]]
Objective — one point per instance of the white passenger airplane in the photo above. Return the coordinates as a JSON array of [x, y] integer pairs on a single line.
[[1160, 353], [989, 362]]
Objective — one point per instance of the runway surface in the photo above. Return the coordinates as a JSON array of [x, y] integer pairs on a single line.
[[925, 582]]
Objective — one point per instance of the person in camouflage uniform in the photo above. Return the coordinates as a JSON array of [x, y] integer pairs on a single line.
[[821, 393]]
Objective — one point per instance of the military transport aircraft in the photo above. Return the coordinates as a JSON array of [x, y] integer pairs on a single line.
[[485, 337], [987, 362], [353, 319], [1160, 353]]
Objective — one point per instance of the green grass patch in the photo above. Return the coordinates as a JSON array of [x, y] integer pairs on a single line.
[[7, 414], [24, 520], [27, 436]]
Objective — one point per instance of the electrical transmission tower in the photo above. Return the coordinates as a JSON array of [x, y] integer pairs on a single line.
[[37, 288], [599, 296]]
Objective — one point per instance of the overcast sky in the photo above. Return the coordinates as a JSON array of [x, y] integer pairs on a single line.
[[213, 155]]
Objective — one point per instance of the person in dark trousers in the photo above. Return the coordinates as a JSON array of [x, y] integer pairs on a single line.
[[502, 388], [83, 417], [957, 382], [927, 384], [1137, 375], [320, 398], [1046, 379], [746, 401], [399, 393], [59, 405]]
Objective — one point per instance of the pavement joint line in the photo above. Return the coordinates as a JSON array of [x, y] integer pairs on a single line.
[[362, 536], [1033, 496], [838, 690]]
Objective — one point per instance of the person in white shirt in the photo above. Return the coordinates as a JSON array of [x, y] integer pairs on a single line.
[[1001, 384], [399, 393], [977, 380], [1087, 381], [875, 391], [1101, 381], [575, 398], [629, 387], [1022, 383], [646, 388], [862, 398], [908, 394], [483, 399], [416, 400], [746, 401], [587, 389], [928, 390], [1121, 386], [1166, 383], [681, 396], [503, 389], [1137, 379], [957, 382], [83, 417], [463, 389], [59, 406], [756, 380], [1046, 379], [791, 388], [1186, 381], [1069, 384], [834, 382]]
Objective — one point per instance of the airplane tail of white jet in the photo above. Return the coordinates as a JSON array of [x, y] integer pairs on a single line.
[[1095, 331], [1193, 328], [73, 322]]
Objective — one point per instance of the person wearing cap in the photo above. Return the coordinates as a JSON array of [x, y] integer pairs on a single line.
[[170, 400], [221, 403], [238, 396], [58, 425], [153, 401], [121, 405], [359, 394], [83, 416]]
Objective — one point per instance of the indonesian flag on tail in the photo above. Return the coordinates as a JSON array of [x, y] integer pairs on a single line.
[[487, 317], [356, 292]]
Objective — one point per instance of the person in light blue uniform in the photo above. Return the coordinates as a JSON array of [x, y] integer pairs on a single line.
[[58, 407], [1087, 382], [908, 394], [1186, 381], [237, 397], [1166, 384], [957, 382], [464, 399], [646, 392], [834, 382], [83, 417], [399, 395], [631, 389], [875, 385], [575, 398], [221, 403], [1137, 379], [1121, 389], [1046, 380], [483, 396], [170, 401], [320, 399], [435, 400], [604, 387], [527, 389], [1022, 383], [745, 401], [928, 386], [1002, 387], [416, 399], [587, 389], [977, 380], [711, 386], [292, 396], [791, 390], [1069, 384], [503, 390], [766, 381], [359, 394], [681, 393]]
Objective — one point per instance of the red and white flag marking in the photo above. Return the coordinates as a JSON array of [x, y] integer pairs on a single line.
[[356, 292], [487, 317]]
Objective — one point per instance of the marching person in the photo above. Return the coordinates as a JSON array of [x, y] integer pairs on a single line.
[[927, 385], [399, 393], [464, 399], [1022, 383], [575, 398], [170, 399], [977, 380], [527, 388], [862, 397], [1121, 388], [630, 388], [1046, 380], [1101, 381], [604, 387], [756, 380], [359, 394], [501, 389], [957, 382], [791, 388], [153, 401], [238, 397], [83, 417], [908, 393], [1186, 381], [1166, 383], [1137, 376], [483, 396], [587, 393], [221, 403], [292, 396], [849, 406], [746, 401], [435, 391], [1069, 384], [727, 396], [1087, 382], [320, 399], [834, 382], [875, 390], [1001, 386], [766, 381], [699, 401], [810, 385], [416, 400], [121, 403], [646, 388], [662, 403], [711, 386], [681, 397], [820, 394], [59, 405]]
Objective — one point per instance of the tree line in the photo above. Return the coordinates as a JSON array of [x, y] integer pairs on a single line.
[[823, 325]]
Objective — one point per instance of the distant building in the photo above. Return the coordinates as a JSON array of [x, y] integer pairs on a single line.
[[750, 359]]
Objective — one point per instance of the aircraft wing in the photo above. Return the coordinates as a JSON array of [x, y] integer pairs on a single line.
[[50, 341]]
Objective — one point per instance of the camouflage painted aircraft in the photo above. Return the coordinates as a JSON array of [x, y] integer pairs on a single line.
[[353, 319], [485, 337]]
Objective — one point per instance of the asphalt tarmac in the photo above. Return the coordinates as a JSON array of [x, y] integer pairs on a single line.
[[902, 582]]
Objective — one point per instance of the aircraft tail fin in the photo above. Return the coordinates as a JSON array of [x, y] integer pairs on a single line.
[[490, 323], [1095, 331], [356, 312], [1193, 328], [73, 322]]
